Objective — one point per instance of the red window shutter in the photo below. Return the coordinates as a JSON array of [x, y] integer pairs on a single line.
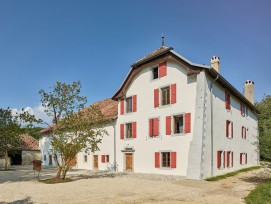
[[227, 100], [134, 130], [227, 128], [122, 131], [156, 98], [187, 120], [242, 132], [228, 159], [241, 158], [134, 103], [232, 159], [168, 125], [245, 132], [173, 159], [155, 126], [224, 155], [232, 129], [157, 159], [173, 93], [103, 158], [121, 106], [151, 127], [246, 158], [218, 159], [162, 69]]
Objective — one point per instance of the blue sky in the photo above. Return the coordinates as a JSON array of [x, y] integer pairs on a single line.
[[42, 42]]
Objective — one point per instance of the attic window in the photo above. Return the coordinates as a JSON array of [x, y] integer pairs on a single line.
[[155, 73]]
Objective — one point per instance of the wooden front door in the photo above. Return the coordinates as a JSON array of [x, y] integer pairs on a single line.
[[129, 161], [95, 161]]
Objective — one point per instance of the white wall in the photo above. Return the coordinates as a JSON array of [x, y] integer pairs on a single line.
[[221, 142], [145, 147], [106, 148]]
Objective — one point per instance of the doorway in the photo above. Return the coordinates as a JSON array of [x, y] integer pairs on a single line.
[[95, 162], [50, 160], [129, 162]]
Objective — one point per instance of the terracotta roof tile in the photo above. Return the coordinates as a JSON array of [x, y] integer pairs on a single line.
[[108, 107], [29, 142]]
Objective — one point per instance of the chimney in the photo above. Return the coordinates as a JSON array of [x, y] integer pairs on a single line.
[[214, 63], [249, 90]]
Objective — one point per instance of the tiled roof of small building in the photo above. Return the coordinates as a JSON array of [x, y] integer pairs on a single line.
[[29, 142], [108, 107]]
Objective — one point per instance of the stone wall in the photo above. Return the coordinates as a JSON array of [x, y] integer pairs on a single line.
[[29, 156]]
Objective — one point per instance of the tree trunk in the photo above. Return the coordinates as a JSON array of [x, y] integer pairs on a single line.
[[59, 168], [6, 160]]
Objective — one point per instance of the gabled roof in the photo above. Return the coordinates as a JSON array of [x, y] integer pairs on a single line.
[[29, 142], [108, 107], [193, 67]]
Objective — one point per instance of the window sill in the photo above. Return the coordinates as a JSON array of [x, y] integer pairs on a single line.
[[127, 139], [178, 134], [165, 106], [152, 137], [165, 168]]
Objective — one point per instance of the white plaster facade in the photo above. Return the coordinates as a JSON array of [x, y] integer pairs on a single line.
[[196, 149]]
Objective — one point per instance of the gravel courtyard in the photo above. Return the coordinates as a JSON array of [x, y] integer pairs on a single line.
[[19, 186]]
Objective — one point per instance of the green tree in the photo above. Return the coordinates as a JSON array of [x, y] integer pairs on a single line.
[[75, 128], [265, 127], [11, 129]]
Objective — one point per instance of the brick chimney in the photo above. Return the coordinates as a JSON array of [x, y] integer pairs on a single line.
[[214, 63], [249, 90]]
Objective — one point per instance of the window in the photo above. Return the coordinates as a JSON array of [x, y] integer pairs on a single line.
[[243, 158], [153, 127], [229, 129], [106, 158], [85, 158], [44, 157], [243, 109], [165, 99], [178, 124], [227, 100], [244, 132], [221, 159], [229, 159], [165, 159], [129, 105], [129, 130], [155, 73]]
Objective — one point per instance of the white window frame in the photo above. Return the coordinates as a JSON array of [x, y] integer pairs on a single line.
[[125, 130], [129, 97], [161, 160], [222, 161], [173, 124]]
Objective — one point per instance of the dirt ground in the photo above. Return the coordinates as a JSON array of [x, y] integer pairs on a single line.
[[18, 186]]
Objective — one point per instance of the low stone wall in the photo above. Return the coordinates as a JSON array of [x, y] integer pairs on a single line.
[[29, 155], [2, 163]]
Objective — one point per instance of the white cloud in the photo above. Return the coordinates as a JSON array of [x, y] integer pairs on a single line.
[[39, 113]]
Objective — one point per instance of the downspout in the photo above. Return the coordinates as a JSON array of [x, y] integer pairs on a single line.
[[212, 126]]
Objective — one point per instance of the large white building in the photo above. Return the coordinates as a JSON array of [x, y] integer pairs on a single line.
[[171, 116]]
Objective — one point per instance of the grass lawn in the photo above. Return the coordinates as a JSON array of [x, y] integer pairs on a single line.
[[261, 194], [217, 178]]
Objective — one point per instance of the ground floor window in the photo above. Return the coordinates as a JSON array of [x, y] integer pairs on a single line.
[[243, 158], [85, 158], [165, 159]]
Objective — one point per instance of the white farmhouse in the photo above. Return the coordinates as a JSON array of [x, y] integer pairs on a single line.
[[174, 117]]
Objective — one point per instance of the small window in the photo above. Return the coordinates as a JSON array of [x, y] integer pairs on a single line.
[[229, 129], [165, 96], [165, 159], [129, 105], [244, 132], [106, 158], [243, 109], [220, 159], [155, 73], [129, 130], [178, 124], [44, 157], [227, 100], [229, 159], [85, 158]]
